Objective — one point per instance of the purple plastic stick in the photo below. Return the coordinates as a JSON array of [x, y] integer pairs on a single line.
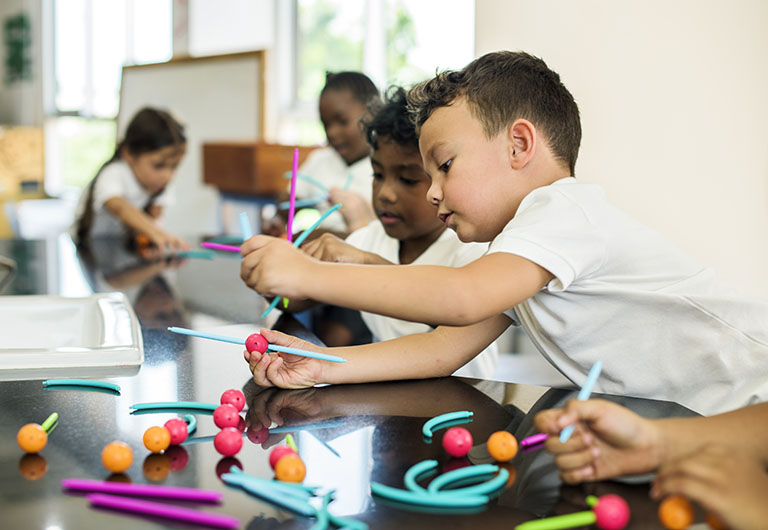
[[219, 246], [142, 490], [533, 440], [163, 510]]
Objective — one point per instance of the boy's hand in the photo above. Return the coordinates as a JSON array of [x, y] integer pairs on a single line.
[[608, 441], [356, 209], [284, 369], [273, 267], [731, 484], [328, 247]]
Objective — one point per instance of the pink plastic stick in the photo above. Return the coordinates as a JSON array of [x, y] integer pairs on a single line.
[[163, 510], [142, 490], [533, 440], [292, 205], [219, 246]]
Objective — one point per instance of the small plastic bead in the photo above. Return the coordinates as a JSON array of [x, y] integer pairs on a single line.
[[157, 439], [290, 468], [279, 452], [257, 436], [457, 441], [178, 456], [33, 466], [156, 466], [178, 430], [234, 397], [676, 513], [228, 442], [502, 446], [117, 456], [612, 512], [225, 465], [32, 438], [256, 342], [226, 416]]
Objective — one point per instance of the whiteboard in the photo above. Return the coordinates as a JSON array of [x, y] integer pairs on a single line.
[[218, 97]]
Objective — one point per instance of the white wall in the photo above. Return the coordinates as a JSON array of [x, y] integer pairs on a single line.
[[21, 102], [674, 104]]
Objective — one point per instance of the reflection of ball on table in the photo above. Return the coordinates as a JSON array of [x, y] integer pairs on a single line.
[[256, 342]]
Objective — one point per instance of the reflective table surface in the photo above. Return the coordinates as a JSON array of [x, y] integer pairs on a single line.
[[347, 435]]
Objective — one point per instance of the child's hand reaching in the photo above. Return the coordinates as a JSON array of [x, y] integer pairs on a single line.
[[284, 369], [329, 247], [608, 441], [273, 267], [731, 484], [356, 209]]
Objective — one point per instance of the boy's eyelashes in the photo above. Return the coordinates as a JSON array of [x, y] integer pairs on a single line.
[[445, 166]]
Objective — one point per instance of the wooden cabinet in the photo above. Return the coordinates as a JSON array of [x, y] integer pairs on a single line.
[[251, 168]]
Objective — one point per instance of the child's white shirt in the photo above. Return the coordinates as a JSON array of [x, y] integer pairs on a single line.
[[447, 250], [327, 167], [664, 326], [116, 180]]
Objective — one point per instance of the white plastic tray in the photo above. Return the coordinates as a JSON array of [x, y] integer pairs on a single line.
[[53, 332]]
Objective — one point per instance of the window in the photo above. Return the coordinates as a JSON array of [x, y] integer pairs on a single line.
[[391, 41], [92, 40]]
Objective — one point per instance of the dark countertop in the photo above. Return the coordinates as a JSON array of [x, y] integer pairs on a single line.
[[348, 435]]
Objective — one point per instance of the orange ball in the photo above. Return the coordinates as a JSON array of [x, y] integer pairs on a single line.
[[33, 466], [676, 512], [156, 466], [157, 439], [117, 456], [502, 446], [32, 438], [290, 468], [715, 523]]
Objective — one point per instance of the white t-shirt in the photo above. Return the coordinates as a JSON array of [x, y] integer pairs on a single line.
[[664, 326], [447, 250], [116, 180], [328, 168]]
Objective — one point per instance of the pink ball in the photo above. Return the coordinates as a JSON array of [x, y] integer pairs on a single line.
[[279, 452], [457, 441], [256, 342], [612, 512], [226, 416], [178, 429], [178, 456], [233, 397], [258, 436], [228, 442]]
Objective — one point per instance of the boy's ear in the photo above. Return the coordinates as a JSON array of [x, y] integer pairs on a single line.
[[521, 141]]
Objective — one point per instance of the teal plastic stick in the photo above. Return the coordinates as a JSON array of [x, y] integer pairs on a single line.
[[435, 423], [303, 203], [299, 240], [307, 353], [479, 472], [175, 405], [81, 382], [191, 424], [584, 393], [559, 522], [489, 487], [245, 226], [417, 471], [425, 499], [203, 254], [50, 421], [271, 495], [314, 182], [204, 335], [297, 490]]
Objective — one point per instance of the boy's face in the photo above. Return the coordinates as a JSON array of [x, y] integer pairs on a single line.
[[399, 190], [155, 169], [340, 113], [475, 188]]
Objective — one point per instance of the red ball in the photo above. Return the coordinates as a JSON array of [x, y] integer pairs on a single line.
[[258, 436], [228, 442], [225, 465], [612, 512], [226, 416], [256, 342], [178, 429], [279, 452], [234, 397], [179, 457], [457, 441]]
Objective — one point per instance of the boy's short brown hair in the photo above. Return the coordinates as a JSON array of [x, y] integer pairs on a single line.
[[501, 87]]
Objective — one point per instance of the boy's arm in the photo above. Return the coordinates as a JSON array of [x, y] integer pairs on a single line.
[[451, 296], [438, 353]]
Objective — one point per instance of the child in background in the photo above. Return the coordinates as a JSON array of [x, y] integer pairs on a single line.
[[718, 461], [499, 140], [130, 190], [407, 230], [343, 168]]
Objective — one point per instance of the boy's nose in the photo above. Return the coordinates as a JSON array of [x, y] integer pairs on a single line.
[[434, 194]]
